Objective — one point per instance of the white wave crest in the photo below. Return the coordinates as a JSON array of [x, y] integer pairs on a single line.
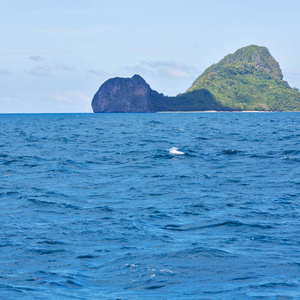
[[175, 151]]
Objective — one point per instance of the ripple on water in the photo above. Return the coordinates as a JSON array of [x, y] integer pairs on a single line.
[[94, 206]]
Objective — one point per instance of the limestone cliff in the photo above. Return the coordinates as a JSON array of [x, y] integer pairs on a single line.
[[249, 79], [122, 95]]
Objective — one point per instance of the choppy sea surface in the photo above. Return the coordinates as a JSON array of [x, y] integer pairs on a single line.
[[97, 206]]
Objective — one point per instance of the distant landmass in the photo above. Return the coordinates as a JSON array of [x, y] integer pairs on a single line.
[[248, 80]]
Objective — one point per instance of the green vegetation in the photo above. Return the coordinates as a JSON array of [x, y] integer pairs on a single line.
[[198, 100], [249, 79]]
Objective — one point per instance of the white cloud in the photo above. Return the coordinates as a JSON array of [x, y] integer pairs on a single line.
[[66, 68], [171, 69], [43, 71], [4, 98], [9, 99], [36, 58], [10, 104], [4, 72], [70, 96], [73, 101], [97, 72], [39, 71], [177, 73], [129, 71], [167, 69]]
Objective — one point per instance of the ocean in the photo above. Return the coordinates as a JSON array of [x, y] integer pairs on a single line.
[[150, 206]]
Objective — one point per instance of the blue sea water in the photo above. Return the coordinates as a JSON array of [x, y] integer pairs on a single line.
[[95, 206]]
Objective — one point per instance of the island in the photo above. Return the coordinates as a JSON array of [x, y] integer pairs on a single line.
[[248, 80]]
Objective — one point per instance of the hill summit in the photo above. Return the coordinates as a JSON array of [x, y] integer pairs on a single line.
[[249, 79]]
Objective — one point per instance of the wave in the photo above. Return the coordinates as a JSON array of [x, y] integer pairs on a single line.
[[175, 151], [84, 197], [231, 151], [44, 203], [175, 227]]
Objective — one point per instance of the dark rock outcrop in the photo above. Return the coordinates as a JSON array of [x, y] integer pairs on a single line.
[[122, 95], [250, 79], [134, 95]]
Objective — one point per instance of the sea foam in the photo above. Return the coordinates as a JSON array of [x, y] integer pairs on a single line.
[[175, 151]]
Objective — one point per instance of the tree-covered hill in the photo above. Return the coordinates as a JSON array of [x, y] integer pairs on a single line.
[[249, 79]]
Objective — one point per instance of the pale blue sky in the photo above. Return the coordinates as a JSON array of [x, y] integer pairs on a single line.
[[54, 55]]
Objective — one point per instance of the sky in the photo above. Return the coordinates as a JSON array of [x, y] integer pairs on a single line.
[[54, 55]]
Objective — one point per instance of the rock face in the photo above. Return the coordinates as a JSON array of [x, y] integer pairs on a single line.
[[122, 95], [249, 79]]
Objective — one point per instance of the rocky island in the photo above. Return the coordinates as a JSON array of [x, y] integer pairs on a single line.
[[248, 80], [123, 95]]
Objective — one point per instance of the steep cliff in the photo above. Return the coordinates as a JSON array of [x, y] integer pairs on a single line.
[[122, 95], [249, 79], [135, 95]]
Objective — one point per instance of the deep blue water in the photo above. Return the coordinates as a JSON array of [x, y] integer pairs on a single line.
[[94, 206]]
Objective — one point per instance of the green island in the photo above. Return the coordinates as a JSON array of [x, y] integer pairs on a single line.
[[248, 80]]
